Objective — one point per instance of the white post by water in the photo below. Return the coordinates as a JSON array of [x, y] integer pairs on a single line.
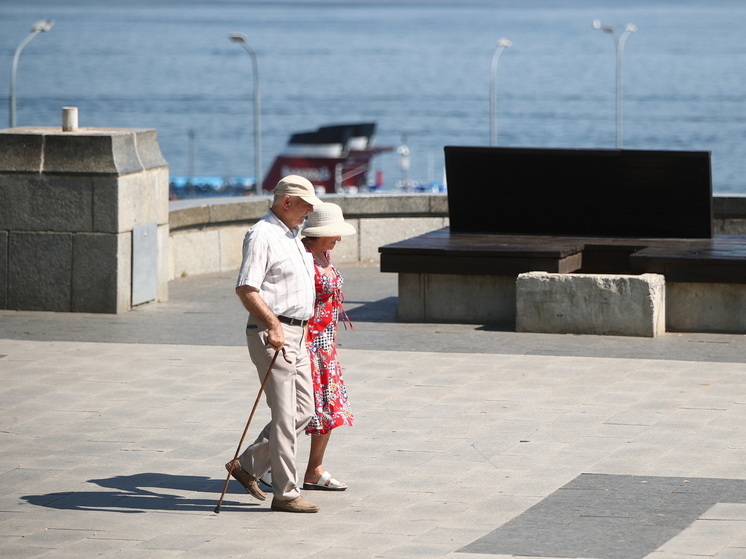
[[69, 119]]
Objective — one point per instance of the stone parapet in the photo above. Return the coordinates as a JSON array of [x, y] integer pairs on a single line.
[[207, 235], [206, 232], [729, 214]]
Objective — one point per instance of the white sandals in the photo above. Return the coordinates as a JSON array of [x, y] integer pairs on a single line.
[[326, 483]]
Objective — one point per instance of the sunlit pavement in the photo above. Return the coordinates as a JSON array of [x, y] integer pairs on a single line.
[[469, 441]]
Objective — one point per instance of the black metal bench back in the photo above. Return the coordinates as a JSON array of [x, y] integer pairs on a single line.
[[579, 192]]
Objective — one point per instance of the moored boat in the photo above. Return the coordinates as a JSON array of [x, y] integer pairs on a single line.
[[335, 158]]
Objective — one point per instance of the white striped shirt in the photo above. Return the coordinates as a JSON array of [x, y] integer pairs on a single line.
[[277, 264]]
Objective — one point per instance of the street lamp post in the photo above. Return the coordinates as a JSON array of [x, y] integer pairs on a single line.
[[619, 43], [190, 164], [38, 27], [403, 152], [502, 44], [238, 38]]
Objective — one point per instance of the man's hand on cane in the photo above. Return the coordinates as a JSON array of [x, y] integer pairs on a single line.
[[256, 306], [276, 336]]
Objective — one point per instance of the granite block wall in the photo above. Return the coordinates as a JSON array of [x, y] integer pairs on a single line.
[[68, 204]]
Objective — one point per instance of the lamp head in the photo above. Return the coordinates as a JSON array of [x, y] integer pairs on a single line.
[[504, 42], [42, 26], [604, 28], [238, 38]]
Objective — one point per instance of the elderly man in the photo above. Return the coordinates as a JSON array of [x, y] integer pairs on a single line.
[[276, 285]]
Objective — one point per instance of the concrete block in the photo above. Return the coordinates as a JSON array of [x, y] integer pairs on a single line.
[[149, 150], [729, 214], [249, 211], [97, 151], [164, 260], [223, 211], [457, 298], [729, 226], [101, 151], [348, 249], [377, 204], [94, 273], [46, 203], [159, 191], [83, 153], [105, 204], [733, 206], [204, 251], [199, 251], [93, 187], [196, 252], [439, 204], [3, 269], [20, 152], [231, 246], [706, 307], [40, 271], [619, 305], [383, 231], [142, 199], [124, 272], [123, 203], [193, 216]]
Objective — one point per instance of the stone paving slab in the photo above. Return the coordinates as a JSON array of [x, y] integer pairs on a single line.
[[117, 450], [636, 514]]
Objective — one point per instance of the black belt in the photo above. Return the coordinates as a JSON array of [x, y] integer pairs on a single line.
[[292, 321]]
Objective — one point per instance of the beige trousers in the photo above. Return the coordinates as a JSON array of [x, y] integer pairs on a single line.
[[289, 395]]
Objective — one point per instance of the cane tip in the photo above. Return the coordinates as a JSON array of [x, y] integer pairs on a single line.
[[217, 509]]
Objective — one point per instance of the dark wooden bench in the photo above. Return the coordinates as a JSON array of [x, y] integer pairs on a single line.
[[718, 260], [721, 259], [444, 252], [517, 210]]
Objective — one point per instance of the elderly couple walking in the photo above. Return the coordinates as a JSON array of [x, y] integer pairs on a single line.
[[293, 296]]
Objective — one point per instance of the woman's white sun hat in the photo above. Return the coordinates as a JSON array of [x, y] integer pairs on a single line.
[[327, 220]]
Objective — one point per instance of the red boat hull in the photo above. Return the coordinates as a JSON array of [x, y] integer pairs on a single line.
[[334, 158]]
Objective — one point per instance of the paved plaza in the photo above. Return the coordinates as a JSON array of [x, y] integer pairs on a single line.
[[470, 442]]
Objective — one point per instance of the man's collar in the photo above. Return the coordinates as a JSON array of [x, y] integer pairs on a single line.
[[277, 221]]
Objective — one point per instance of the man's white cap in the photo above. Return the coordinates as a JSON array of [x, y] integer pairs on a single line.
[[295, 185]]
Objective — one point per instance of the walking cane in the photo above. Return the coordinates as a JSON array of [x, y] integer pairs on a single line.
[[251, 416]]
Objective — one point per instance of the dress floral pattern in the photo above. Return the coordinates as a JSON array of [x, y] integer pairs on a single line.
[[330, 394]]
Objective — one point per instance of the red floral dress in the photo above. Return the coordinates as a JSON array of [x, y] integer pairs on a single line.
[[330, 394]]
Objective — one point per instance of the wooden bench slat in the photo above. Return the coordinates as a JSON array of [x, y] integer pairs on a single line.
[[719, 259], [485, 244]]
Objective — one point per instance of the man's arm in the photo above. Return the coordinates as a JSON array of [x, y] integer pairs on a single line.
[[256, 306]]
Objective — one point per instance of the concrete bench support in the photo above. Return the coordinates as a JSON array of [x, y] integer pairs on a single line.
[[457, 298], [706, 307], [617, 305]]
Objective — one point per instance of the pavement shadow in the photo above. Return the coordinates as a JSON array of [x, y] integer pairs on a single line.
[[149, 491], [383, 310]]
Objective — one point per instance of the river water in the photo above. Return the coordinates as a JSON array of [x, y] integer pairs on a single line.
[[420, 69]]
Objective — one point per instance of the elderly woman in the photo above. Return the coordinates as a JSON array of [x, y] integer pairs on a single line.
[[324, 228]]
